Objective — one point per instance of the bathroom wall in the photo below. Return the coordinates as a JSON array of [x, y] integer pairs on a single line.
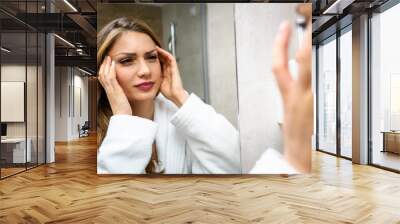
[[221, 61], [151, 14], [189, 43], [256, 26]]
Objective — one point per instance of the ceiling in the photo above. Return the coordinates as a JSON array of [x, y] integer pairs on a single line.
[[73, 20], [79, 27], [332, 15]]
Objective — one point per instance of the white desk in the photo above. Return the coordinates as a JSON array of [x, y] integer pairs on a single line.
[[19, 149]]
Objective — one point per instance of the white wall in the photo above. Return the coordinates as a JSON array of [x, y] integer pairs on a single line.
[[16, 73], [61, 103], [222, 79], [256, 27], [12, 101], [33, 126], [67, 115], [80, 84]]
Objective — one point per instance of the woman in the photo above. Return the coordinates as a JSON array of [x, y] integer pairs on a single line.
[[148, 123]]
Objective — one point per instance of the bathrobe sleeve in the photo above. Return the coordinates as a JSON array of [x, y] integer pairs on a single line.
[[272, 162], [127, 146], [213, 141]]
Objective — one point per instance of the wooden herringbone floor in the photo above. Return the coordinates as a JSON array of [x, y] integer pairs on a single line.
[[69, 191]]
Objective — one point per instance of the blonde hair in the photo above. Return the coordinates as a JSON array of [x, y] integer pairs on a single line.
[[106, 38]]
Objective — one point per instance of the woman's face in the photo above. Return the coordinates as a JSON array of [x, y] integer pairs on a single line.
[[138, 69]]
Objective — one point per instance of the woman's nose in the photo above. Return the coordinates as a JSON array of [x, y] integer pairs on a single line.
[[144, 69]]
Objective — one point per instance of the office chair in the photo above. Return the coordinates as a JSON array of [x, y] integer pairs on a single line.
[[84, 130]]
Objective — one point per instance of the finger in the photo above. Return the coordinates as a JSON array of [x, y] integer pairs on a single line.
[[105, 80], [161, 57], [170, 66], [303, 58], [101, 70], [165, 62], [112, 75], [168, 57], [107, 67], [280, 58], [112, 69]]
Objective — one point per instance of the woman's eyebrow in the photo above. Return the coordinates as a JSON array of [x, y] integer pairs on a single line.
[[126, 54], [149, 52], [130, 54]]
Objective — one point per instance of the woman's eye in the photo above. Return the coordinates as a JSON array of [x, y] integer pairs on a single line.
[[153, 57], [126, 61]]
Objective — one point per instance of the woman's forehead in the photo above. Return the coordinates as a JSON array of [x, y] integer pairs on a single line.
[[133, 42]]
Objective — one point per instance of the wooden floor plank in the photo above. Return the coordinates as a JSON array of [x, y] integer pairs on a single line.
[[70, 191]]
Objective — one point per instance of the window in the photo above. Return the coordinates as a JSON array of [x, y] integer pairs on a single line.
[[385, 89], [327, 96], [346, 92]]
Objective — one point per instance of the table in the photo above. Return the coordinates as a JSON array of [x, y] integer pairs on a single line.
[[15, 148], [391, 141]]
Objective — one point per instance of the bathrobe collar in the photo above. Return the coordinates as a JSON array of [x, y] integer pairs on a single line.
[[170, 146]]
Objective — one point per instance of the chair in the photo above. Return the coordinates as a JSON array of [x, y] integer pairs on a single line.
[[84, 130]]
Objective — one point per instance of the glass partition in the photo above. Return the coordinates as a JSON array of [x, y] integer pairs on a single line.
[[327, 96], [31, 98], [13, 103], [346, 92], [22, 88], [385, 89]]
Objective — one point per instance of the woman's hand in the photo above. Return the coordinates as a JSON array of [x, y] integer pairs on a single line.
[[107, 76], [297, 94], [171, 86]]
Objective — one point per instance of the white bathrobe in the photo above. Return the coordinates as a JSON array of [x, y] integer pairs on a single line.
[[191, 139]]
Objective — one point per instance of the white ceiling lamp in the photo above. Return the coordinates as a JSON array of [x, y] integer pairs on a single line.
[[79, 51], [5, 50], [65, 41], [70, 5]]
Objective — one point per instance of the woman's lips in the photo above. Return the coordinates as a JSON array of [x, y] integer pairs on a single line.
[[145, 86]]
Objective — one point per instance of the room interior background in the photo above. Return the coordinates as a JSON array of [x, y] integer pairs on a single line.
[[22, 96], [36, 57]]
